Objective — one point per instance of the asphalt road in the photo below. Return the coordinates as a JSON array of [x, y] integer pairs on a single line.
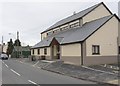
[[15, 72]]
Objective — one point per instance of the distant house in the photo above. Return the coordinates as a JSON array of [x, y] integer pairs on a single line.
[[4, 48], [21, 51], [89, 37]]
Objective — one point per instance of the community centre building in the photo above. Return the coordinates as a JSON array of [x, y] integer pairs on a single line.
[[89, 37]]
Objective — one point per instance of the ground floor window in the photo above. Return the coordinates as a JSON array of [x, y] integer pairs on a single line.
[[38, 51], [33, 51], [45, 51], [95, 49], [119, 50]]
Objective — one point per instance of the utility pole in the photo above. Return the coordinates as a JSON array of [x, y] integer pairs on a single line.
[[18, 44], [17, 35], [2, 44]]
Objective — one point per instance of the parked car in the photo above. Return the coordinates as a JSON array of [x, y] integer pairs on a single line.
[[3, 56]]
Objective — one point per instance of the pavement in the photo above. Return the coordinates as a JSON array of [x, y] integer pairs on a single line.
[[83, 72], [114, 81], [23, 72], [0, 72]]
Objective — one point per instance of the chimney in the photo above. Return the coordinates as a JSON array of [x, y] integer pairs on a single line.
[[74, 13]]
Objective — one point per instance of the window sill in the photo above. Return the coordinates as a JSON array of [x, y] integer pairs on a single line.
[[96, 54]]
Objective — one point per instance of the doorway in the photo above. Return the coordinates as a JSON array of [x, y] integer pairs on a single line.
[[55, 49]]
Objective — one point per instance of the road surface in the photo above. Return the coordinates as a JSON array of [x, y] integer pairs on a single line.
[[15, 72]]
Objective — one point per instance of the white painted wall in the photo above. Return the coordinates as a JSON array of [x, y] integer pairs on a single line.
[[106, 37], [71, 50], [97, 13], [43, 35]]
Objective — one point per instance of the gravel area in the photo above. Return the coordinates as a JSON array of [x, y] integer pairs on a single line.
[[99, 67], [80, 72]]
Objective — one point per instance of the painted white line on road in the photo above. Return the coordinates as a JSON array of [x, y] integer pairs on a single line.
[[36, 63], [6, 65], [98, 70], [21, 62], [15, 72], [38, 67], [32, 82]]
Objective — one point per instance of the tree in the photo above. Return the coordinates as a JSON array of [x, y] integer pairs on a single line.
[[17, 42], [10, 47]]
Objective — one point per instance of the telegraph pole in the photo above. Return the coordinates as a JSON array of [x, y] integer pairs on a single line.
[[2, 44], [17, 35], [18, 43]]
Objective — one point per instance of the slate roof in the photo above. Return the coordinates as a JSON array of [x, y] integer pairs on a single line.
[[76, 34], [86, 30], [74, 17], [43, 43]]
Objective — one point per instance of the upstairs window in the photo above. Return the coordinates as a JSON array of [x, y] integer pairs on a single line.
[[65, 28], [49, 33], [55, 31], [95, 49], [74, 25]]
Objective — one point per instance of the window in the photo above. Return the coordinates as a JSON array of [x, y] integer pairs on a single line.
[[49, 33], [38, 51], [95, 49], [33, 51], [74, 25], [119, 50], [64, 28], [20, 53], [45, 51], [55, 31]]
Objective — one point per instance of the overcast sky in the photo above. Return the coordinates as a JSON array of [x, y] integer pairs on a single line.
[[31, 17]]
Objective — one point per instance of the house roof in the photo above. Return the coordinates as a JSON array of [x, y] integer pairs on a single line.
[[75, 16], [77, 34], [84, 32], [43, 43]]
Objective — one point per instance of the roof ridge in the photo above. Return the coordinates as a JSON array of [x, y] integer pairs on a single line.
[[82, 11], [91, 8], [101, 18]]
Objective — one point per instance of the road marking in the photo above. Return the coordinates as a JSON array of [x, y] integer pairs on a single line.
[[47, 61], [32, 82], [36, 63], [6, 65], [98, 70], [21, 62], [111, 66], [38, 67], [15, 72]]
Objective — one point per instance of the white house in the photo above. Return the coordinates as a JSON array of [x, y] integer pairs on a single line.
[[89, 37]]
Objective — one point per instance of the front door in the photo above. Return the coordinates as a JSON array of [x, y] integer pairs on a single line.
[[55, 49]]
